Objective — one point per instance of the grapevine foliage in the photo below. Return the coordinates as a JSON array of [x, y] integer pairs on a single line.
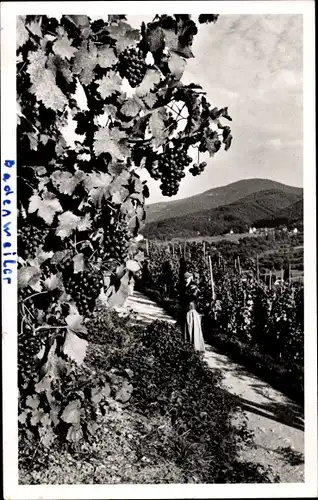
[[81, 206]]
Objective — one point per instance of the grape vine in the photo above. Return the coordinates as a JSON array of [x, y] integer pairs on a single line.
[[81, 204]]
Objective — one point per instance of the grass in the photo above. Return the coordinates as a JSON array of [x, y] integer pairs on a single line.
[[176, 428]]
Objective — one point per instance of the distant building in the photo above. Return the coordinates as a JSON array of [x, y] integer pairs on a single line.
[[231, 232], [252, 230], [295, 230]]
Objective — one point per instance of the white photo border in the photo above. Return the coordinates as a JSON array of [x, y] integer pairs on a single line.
[[9, 11]]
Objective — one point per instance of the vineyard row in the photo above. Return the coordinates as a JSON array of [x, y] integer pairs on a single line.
[[268, 320]]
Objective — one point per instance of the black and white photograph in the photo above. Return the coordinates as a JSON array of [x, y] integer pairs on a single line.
[[159, 252]]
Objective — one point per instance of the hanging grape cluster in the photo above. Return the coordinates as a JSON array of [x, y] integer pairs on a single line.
[[29, 345], [83, 287], [116, 242], [132, 66], [30, 238], [197, 169], [171, 165]]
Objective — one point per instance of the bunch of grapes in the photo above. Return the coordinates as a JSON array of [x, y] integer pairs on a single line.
[[97, 25], [132, 66], [84, 288], [30, 343], [30, 238], [172, 163], [208, 18], [197, 169], [116, 242]]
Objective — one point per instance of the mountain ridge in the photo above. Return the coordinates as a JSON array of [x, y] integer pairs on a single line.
[[212, 198], [269, 207]]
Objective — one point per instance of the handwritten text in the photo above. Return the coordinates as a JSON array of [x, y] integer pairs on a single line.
[[8, 254]]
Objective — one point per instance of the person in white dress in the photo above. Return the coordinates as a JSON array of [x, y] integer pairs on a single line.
[[192, 328]]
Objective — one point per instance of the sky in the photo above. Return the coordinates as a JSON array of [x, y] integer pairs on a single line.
[[253, 65]]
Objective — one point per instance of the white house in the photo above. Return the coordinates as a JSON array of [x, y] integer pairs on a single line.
[[295, 230]]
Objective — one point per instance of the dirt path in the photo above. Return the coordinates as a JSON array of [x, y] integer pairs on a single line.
[[276, 421]]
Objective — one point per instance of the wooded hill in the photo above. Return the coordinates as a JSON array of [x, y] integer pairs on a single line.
[[237, 206]]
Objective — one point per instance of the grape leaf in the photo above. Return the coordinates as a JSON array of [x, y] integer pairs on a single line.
[[117, 189], [128, 208], [43, 81], [37, 61], [132, 265], [47, 435], [59, 256], [131, 107], [45, 207], [63, 46], [28, 276], [78, 263], [176, 64], [43, 182], [85, 223], [75, 433], [109, 84], [53, 366], [157, 127], [53, 282], [65, 182], [36, 417], [151, 78], [98, 186], [99, 393], [228, 141], [140, 256], [155, 38], [150, 100], [40, 257], [54, 413], [22, 417], [46, 90], [33, 141], [96, 395], [33, 401], [124, 394], [35, 28], [105, 141], [124, 35], [44, 385], [116, 168], [72, 412], [106, 57], [171, 39], [119, 297], [85, 61], [110, 110], [68, 222], [74, 323], [75, 347], [212, 143], [44, 140], [21, 31]]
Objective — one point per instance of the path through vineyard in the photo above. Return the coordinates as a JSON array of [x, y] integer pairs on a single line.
[[276, 421]]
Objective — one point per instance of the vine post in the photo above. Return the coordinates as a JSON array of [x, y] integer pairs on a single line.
[[211, 277]]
